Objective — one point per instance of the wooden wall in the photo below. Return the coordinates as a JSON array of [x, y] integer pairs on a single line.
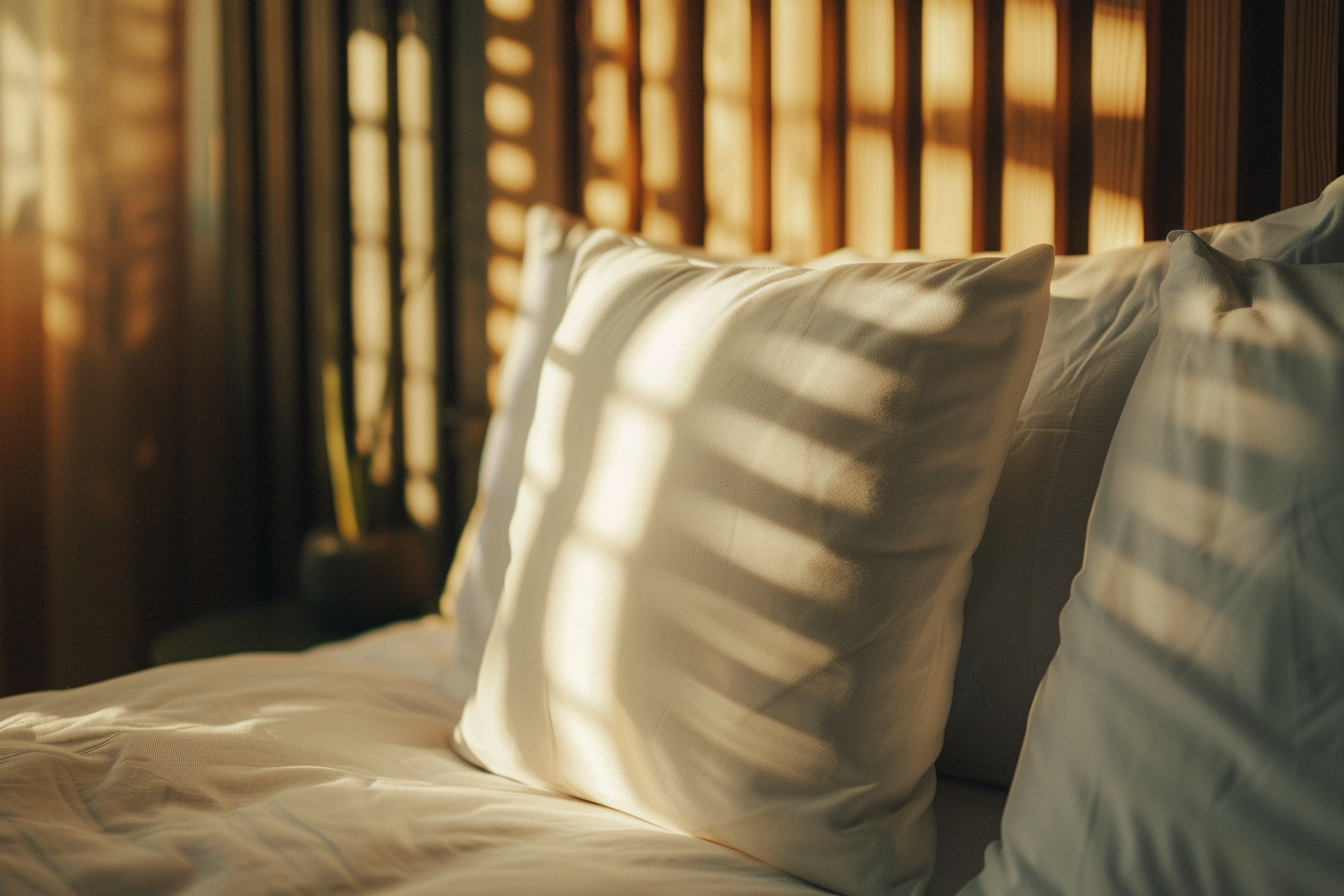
[[797, 126]]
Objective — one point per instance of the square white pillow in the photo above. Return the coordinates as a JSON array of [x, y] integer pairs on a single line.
[[1103, 317], [477, 574], [741, 543], [1189, 736]]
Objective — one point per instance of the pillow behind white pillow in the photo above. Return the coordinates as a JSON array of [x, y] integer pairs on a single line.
[[1189, 735], [477, 573], [1103, 316], [741, 544]]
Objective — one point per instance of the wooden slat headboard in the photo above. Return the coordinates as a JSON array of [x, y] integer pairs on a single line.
[[798, 126]]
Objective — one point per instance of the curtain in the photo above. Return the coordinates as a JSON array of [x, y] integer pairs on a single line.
[[113, 456]]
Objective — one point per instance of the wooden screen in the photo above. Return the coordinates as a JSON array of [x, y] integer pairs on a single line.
[[798, 126]]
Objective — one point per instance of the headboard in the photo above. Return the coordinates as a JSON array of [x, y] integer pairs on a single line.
[[798, 126]]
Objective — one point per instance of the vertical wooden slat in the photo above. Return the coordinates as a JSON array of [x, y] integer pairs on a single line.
[[244, 385], [419, 80], [1310, 99], [284, 339], [532, 117], [987, 127], [946, 174], [207, 474], [1119, 91], [1073, 132], [805, 136], [609, 69], [1212, 92], [113, 224], [468, 191], [672, 106], [737, 126], [23, 588], [1260, 132], [874, 209], [1164, 119], [881, 125], [1030, 80], [325, 223]]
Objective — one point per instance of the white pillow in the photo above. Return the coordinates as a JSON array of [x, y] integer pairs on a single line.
[[1103, 316], [471, 592], [477, 574], [741, 544], [1189, 736]]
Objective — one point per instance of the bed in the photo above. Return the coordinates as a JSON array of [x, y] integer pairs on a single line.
[[881, 572]]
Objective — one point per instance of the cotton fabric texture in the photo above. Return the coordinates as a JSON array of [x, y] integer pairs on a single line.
[[1103, 318], [741, 542], [1189, 736], [477, 574]]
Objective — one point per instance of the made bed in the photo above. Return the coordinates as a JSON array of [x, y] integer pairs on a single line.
[[764, 577]]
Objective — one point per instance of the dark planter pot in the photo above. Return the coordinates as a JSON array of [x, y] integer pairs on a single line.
[[353, 586]]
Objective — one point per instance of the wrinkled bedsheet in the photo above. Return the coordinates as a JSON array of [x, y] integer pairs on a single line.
[[330, 772], [323, 772]]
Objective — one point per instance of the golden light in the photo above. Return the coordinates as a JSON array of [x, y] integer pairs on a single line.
[[508, 56], [419, 317], [948, 92], [728, 127], [20, 114], [796, 136], [870, 155], [503, 274], [658, 115], [510, 167], [507, 109], [607, 113], [610, 24], [505, 221], [510, 10], [1029, 70], [1119, 79], [659, 137], [607, 202], [370, 259]]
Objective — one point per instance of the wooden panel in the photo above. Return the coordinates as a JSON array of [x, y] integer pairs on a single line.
[[881, 123], [113, 225], [1310, 99], [737, 126], [1164, 119], [23, 586], [532, 114], [609, 68], [206, 414], [874, 203], [1119, 92], [1030, 82], [468, 195], [1212, 98], [805, 137], [1259, 135], [672, 106], [286, 447], [325, 222], [419, 80], [987, 127], [946, 177]]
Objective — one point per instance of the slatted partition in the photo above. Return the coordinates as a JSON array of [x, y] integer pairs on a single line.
[[798, 126]]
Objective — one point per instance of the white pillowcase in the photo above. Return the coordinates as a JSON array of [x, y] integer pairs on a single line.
[[1103, 317], [741, 545], [477, 574], [1189, 736]]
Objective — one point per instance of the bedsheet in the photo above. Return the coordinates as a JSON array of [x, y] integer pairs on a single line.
[[323, 772]]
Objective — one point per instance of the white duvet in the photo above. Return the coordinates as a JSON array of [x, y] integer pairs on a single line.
[[330, 772], [324, 772]]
